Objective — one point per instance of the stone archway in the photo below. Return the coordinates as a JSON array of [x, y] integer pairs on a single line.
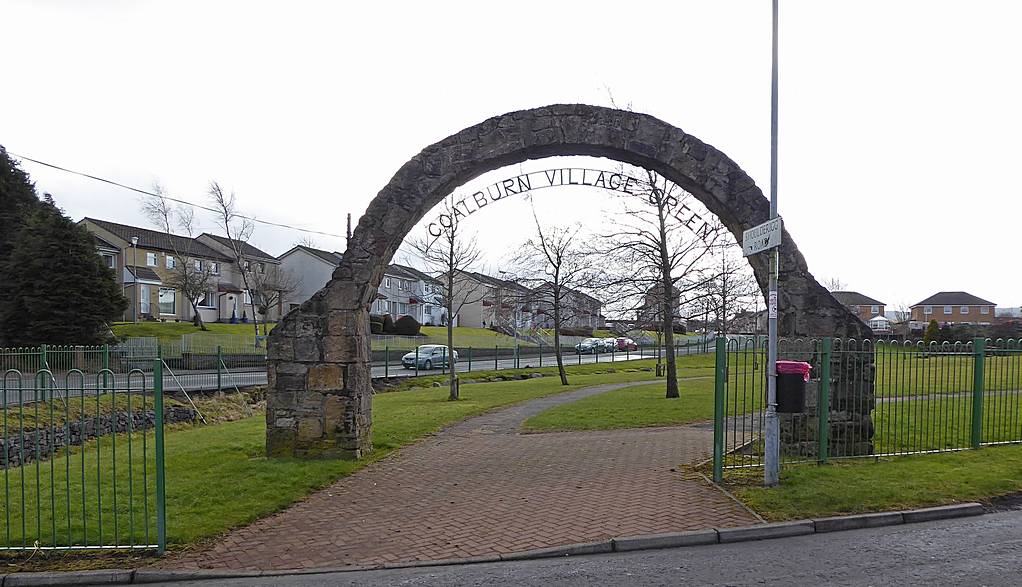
[[320, 395]]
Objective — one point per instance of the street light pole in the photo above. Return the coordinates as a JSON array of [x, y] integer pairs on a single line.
[[771, 460], [134, 280]]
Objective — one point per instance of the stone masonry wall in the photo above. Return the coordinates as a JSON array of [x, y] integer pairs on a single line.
[[16, 449], [319, 394]]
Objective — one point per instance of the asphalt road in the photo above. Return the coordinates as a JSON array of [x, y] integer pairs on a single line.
[[174, 381], [985, 550]]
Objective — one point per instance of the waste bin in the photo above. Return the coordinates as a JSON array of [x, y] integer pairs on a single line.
[[791, 386]]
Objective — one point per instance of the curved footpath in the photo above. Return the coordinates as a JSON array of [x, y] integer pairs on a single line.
[[479, 487]]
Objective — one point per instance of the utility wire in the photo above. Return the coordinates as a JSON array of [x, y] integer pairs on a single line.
[[194, 205]]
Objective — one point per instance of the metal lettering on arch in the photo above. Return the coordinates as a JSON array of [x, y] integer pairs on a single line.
[[319, 402]]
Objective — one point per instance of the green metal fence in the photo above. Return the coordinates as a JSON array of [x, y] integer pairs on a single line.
[[82, 460], [869, 399]]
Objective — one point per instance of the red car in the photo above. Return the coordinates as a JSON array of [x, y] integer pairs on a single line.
[[626, 344]]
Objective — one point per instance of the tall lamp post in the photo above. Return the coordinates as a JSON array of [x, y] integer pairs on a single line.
[[771, 457], [134, 279]]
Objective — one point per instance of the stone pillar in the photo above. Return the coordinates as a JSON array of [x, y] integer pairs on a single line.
[[852, 373], [320, 399]]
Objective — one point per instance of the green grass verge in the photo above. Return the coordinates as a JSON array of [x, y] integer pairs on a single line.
[[218, 477], [851, 487], [173, 331], [632, 407]]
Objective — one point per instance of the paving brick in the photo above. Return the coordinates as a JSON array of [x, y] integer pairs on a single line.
[[480, 488]]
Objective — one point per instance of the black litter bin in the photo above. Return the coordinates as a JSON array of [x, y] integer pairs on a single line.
[[791, 386]]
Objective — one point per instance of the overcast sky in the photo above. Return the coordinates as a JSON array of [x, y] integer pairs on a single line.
[[899, 120]]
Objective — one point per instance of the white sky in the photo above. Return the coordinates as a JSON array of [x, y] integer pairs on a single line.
[[899, 121]]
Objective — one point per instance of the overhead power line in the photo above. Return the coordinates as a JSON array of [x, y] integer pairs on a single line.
[[186, 203]]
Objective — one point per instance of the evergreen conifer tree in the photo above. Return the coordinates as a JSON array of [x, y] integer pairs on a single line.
[[932, 332], [54, 288]]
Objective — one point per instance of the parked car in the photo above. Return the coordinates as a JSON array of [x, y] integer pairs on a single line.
[[609, 345], [430, 356], [626, 344], [589, 345]]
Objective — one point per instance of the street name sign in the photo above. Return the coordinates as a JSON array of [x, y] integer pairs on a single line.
[[761, 238]]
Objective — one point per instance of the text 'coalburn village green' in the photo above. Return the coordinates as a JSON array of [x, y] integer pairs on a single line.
[[570, 176]]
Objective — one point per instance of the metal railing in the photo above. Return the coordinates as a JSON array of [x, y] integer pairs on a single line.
[[869, 399], [82, 465]]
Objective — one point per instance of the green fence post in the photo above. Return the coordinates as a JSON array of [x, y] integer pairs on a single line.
[[161, 488], [978, 364], [823, 404], [219, 369], [541, 354], [386, 362], [495, 366], [43, 362], [720, 377], [470, 359]]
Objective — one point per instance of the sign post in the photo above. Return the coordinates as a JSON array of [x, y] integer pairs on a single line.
[[767, 236], [772, 446]]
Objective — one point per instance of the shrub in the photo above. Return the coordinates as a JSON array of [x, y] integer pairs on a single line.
[[376, 327], [388, 324], [932, 332], [407, 326], [580, 331]]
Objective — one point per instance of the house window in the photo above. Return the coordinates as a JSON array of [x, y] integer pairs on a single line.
[[964, 309], [386, 282], [874, 309], [198, 264], [246, 265], [171, 263], [984, 309], [428, 310], [150, 259], [246, 297], [208, 300], [168, 301], [262, 268], [927, 309], [214, 268], [947, 310], [110, 260]]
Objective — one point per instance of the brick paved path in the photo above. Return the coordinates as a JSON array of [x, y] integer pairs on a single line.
[[480, 487]]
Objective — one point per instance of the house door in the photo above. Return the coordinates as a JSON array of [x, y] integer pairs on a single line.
[[143, 298]]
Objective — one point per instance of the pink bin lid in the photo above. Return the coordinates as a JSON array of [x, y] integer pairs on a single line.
[[794, 368]]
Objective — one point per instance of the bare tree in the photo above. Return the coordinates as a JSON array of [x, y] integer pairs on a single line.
[[834, 284], [558, 270], [448, 257], [238, 230], [657, 246], [731, 288], [270, 287], [307, 241], [190, 275]]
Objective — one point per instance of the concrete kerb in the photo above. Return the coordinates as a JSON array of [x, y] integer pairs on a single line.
[[623, 544]]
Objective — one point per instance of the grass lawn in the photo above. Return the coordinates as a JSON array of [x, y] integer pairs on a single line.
[[632, 407], [172, 331], [849, 487], [217, 476], [464, 336]]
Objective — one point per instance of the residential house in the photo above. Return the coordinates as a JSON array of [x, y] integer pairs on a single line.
[[490, 302], [145, 261], [312, 267], [259, 267], [865, 307], [403, 291], [578, 310], [954, 307]]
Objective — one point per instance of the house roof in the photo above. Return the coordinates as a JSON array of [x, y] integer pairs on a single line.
[[399, 271], [332, 258], [143, 273], [103, 243], [246, 248], [854, 298], [415, 273], [161, 241], [953, 298]]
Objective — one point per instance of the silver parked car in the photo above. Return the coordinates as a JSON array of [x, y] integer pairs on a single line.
[[430, 356]]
